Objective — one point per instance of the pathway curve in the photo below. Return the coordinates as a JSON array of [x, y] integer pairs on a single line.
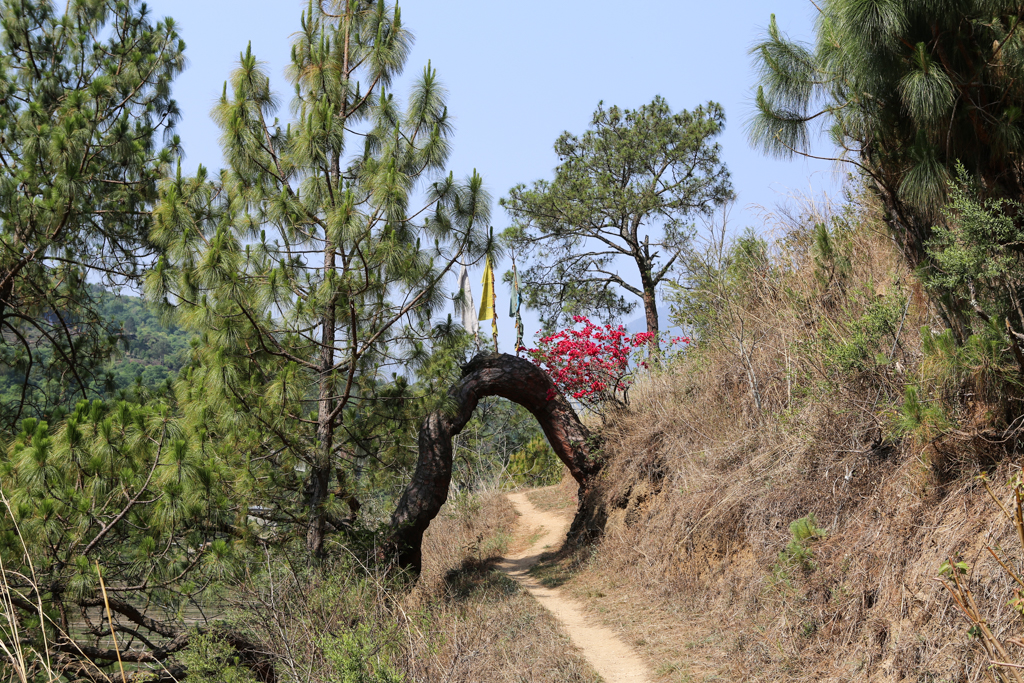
[[613, 659]]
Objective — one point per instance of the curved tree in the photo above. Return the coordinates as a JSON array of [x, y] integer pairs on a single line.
[[503, 375]]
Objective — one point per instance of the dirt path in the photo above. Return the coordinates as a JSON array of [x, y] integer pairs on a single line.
[[613, 659]]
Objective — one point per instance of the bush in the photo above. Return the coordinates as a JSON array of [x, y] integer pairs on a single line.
[[798, 553], [590, 365], [536, 464]]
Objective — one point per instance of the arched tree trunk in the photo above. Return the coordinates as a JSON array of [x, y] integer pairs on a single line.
[[502, 375]]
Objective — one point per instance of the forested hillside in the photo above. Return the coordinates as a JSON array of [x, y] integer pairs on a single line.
[[146, 356]]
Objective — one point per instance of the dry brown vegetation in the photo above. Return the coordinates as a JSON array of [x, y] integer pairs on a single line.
[[702, 486], [463, 621], [490, 628]]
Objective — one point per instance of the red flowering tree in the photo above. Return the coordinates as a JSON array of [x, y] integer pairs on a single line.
[[592, 364]]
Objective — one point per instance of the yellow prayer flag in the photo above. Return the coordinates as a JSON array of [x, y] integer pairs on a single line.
[[487, 299]]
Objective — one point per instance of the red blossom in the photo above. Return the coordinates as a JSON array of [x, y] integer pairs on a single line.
[[590, 364]]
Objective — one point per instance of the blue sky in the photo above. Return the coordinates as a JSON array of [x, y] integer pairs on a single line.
[[519, 73]]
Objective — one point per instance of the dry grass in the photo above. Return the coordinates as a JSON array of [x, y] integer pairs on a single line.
[[488, 628], [462, 622], [701, 489], [560, 497]]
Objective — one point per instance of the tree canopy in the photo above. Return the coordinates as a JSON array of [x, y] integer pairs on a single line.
[[905, 90], [84, 97], [308, 265], [627, 190]]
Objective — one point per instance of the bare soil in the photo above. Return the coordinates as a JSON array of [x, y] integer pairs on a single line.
[[542, 531]]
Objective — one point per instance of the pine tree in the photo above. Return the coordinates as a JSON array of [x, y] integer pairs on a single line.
[[627, 189], [905, 90], [83, 98], [128, 492], [314, 264]]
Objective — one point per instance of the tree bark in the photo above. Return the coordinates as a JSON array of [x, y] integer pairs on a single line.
[[503, 375], [651, 310], [319, 478], [651, 313]]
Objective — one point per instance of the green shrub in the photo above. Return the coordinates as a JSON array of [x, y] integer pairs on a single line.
[[798, 553], [920, 418], [951, 375], [209, 659], [356, 656], [867, 338], [536, 464]]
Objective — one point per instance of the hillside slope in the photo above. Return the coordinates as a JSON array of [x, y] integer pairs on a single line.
[[779, 500]]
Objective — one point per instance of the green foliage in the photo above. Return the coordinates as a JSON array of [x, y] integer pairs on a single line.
[[830, 252], [339, 621], [309, 269], [920, 418], [976, 262], [84, 97], [906, 90], [355, 657], [149, 355], [798, 553], [721, 280], [131, 491], [489, 444], [729, 284], [535, 464], [210, 659], [865, 342], [953, 374], [628, 187]]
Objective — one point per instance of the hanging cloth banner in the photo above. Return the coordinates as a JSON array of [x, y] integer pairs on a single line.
[[513, 304], [487, 298], [487, 301], [468, 308], [513, 308]]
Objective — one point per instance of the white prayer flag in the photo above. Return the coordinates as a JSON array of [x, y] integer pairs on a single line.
[[469, 319]]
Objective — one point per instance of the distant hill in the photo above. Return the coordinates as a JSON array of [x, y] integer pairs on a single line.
[[155, 351], [151, 352]]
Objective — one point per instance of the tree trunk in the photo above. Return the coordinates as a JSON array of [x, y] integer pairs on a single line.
[[651, 312], [319, 479], [502, 375]]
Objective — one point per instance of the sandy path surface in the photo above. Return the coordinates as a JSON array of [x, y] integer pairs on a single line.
[[612, 658]]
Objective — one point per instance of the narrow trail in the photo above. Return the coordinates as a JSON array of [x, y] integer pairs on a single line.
[[612, 658]]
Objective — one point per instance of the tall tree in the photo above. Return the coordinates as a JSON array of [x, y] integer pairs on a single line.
[[307, 264], [628, 188], [905, 90], [83, 97]]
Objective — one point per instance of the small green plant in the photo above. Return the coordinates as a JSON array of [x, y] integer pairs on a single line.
[[980, 363], [957, 376], [831, 252], [798, 553], [919, 417], [209, 659], [360, 656]]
